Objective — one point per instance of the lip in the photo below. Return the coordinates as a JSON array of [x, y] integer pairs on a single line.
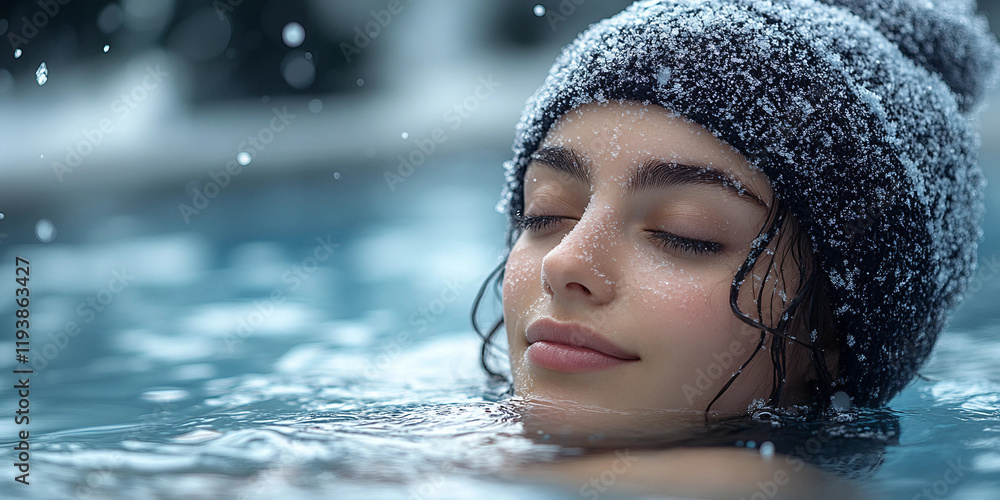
[[572, 348]]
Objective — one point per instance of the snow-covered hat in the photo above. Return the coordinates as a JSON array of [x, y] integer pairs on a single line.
[[859, 114]]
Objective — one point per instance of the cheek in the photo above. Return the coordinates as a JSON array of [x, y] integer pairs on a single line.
[[688, 315], [521, 287]]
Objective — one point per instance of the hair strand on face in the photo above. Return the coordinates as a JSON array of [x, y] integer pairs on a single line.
[[790, 322]]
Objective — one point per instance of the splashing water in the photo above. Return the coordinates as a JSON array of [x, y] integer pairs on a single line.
[[42, 74]]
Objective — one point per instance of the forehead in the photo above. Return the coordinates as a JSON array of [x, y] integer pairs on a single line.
[[614, 137]]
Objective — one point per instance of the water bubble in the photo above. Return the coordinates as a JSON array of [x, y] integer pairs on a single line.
[[107, 48], [361, 82], [42, 74], [2, 215], [405, 135], [110, 19], [840, 401], [243, 158], [336, 175], [308, 56], [539, 10], [315, 106], [17, 53], [265, 99], [298, 71], [293, 34], [767, 450], [45, 231]]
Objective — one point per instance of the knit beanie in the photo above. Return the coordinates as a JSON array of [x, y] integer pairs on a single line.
[[859, 112]]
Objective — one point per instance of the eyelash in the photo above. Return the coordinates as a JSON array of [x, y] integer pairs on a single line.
[[526, 222], [539, 222], [686, 244]]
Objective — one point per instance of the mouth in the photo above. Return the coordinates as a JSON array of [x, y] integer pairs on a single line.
[[571, 348]]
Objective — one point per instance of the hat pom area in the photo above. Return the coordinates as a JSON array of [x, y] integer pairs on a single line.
[[946, 37]]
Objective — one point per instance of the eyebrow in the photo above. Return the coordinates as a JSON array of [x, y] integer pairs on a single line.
[[651, 174]]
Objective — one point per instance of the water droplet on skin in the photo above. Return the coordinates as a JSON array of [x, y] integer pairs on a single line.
[[45, 231], [405, 135], [539, 10], [243, 158], [42, 74], [107, 48], [17, 53], [293, 34]]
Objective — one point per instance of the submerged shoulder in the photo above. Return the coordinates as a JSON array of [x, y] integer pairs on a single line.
[[695, 472]]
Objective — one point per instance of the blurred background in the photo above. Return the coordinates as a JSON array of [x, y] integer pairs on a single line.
[[201, 186]]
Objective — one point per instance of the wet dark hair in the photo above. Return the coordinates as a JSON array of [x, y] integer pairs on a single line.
[[806, 313]]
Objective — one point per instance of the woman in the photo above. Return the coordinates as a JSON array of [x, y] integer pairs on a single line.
[[716, 205]]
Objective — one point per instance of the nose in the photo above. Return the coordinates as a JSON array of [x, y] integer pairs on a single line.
[[580, 268]]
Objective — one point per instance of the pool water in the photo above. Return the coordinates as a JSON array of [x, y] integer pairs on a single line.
[[191, 377]]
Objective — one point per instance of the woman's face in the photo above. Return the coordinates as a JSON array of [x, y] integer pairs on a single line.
[[616, 293]]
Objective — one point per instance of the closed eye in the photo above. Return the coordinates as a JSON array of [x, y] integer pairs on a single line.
[[674, 242], [662, 238], [537, 222]]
